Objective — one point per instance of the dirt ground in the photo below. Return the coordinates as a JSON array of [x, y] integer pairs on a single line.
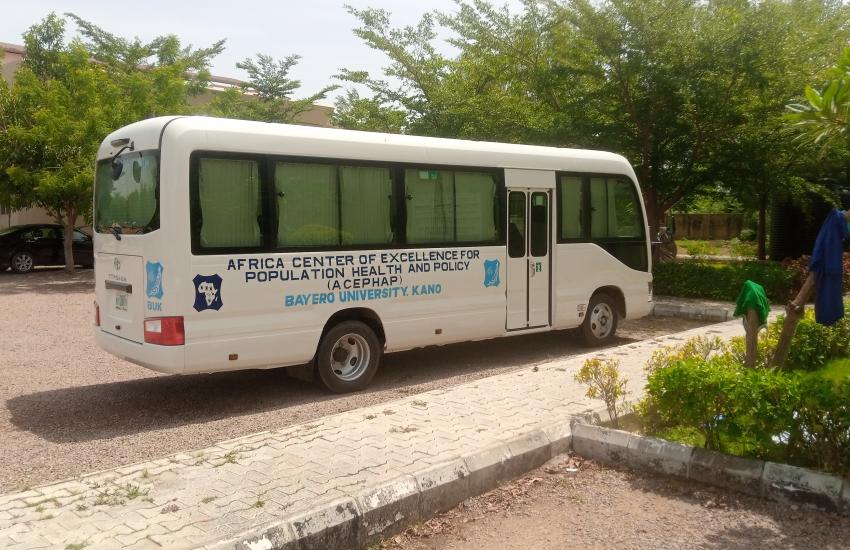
[[69, 408], [570, 503]]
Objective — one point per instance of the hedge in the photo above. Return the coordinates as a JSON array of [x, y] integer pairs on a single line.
[[721, 280]]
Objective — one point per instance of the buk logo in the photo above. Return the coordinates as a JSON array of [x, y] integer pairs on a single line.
[[153, 288], [207, 292], [491, 273]]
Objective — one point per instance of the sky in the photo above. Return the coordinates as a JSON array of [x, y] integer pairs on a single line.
[[320, 31]]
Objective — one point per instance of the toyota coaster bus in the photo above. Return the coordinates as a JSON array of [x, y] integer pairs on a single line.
[[225, 244]]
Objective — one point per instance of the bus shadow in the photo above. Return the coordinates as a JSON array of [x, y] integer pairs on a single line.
[[47, 280], [116, 409]]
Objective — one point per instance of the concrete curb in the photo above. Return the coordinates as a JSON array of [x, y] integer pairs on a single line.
[[384, 510], [770, 480], [692, 311]]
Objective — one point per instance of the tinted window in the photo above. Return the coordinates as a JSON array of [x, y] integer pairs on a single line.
[[539, 224], [130, 201], [571, 207], [229, 199], [615, 211], [605, 210], [331, 205], [516, 225], [445, 206]]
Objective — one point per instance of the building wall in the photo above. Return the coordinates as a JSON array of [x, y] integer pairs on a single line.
[[19, 217]]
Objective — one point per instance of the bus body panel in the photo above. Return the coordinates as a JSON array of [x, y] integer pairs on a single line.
[[234, 320]]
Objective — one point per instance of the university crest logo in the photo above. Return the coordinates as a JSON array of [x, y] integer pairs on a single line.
[[207, 292], [153, 288], [491, 273]]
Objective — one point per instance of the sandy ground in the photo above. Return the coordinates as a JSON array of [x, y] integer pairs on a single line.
[[569, 503], [69, 408]]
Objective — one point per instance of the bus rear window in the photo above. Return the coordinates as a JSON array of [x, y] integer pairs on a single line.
[[128, 203]]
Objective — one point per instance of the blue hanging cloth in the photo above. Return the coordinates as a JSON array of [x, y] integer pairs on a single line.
[[827, 264]]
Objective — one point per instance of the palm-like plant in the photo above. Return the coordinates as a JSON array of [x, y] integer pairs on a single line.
[[824, 119]]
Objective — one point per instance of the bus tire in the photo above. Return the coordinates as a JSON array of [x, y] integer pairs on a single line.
[[348, 357], [600, 321]]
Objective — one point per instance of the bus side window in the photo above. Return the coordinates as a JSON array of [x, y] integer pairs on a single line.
[[229, 197]]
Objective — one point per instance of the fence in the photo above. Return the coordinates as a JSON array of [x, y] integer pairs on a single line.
[[708, 226]]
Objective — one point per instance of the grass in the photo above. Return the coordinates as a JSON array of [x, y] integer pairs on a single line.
[[734, 247], [836, 370]]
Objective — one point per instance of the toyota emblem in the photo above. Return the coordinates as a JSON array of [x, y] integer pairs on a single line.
[[117, 264]]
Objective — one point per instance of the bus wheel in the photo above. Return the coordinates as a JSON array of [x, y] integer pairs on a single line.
[[600, 322], [348, 357]]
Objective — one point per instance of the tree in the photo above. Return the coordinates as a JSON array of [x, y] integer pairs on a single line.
[[680, 87], [267, 95], [366, 113], [824, 119], [67, 97]]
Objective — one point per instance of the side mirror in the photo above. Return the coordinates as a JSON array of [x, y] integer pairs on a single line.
[[117, 168]]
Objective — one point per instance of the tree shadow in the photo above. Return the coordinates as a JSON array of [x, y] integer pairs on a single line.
[[798, 527], [115, 409], [47, 280]]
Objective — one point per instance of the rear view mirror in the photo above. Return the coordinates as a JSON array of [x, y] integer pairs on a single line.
[[117, 168]]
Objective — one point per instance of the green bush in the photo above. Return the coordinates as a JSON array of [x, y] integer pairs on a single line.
[[698, 248], [747, 235], [721, 280], [741, 249], [702, 394]]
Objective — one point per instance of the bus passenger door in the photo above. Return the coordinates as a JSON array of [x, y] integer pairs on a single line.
[[529, 248]]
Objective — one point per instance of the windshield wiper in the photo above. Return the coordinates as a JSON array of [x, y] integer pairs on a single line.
[[116, 230]]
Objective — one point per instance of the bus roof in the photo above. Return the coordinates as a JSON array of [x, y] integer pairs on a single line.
[[228, 135]]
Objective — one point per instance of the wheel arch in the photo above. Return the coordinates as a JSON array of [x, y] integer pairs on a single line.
[[362, 314], [617, 295]]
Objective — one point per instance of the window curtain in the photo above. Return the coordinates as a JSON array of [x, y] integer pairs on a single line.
[[475, 204], [229, 192], [307, 204], [599, 217], [571, 203], [366, 199], [430, 206]]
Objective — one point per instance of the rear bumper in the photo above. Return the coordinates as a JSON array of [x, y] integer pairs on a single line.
[[167, 359]]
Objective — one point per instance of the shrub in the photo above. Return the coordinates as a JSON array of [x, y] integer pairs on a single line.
[[604, 382], [747, 235], [740, 249], [711, 399], [721, 280], [800, 268], [698, 248]]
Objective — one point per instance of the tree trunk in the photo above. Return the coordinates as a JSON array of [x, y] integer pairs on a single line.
[[762, 227], [68, 223], [653, 217]]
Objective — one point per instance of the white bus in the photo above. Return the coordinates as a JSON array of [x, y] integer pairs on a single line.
[[226, 244]]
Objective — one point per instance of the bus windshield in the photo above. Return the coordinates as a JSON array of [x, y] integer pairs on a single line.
[[130, 202]]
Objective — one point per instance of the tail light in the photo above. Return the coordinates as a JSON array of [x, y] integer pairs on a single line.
[[165, 331], [96, 315]]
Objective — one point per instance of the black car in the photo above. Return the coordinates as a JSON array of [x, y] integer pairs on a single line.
[[22, 247]]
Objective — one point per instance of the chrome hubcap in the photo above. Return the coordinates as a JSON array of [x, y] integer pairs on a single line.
[[350, 357], [23, 262], [601, 320]]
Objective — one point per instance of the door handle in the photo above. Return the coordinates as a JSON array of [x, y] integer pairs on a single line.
[[114, 285], [531, 268]]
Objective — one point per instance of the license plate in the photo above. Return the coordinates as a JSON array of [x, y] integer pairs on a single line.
[[121, 302]]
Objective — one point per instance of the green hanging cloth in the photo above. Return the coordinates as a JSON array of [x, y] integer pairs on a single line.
[[752, 296]]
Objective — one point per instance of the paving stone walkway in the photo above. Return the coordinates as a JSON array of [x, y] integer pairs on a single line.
[[203, 497]]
